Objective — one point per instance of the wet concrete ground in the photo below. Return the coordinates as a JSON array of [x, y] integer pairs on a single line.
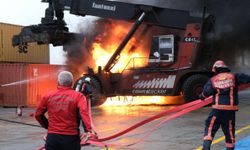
[[184, 133]]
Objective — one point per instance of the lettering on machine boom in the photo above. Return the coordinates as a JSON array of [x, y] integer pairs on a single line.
[[104, 7]]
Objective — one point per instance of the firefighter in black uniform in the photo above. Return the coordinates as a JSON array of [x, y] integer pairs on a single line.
[[83, 85], [224, 88]]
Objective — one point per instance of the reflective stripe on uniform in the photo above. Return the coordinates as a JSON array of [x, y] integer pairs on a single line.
[[231, 131], [209, 134], [225, 107], [231, 96], [217, 97], [229, 145]]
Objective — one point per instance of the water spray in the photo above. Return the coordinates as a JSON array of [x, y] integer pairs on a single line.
[[26, 80]]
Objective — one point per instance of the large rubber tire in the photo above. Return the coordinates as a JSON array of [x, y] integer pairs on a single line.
[[193, 86], [97, 98]]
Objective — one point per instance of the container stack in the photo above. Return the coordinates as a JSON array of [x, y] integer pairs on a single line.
[[24, 77], [8, 53]]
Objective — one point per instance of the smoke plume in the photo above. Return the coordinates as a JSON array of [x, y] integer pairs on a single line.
[[79, 57], [231, 33]]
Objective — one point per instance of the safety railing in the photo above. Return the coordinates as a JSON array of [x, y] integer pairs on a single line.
[[140, 62]]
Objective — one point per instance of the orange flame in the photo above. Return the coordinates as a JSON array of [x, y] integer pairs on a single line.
[[105, 46], [110, 40], [143, 100]]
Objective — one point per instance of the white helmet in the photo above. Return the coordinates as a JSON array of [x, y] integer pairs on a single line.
[[87, 79], [219, 64]]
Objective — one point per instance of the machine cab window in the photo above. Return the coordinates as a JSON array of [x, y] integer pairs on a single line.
[[162, 49]]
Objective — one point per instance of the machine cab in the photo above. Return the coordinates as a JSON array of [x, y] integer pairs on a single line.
[[162, 50]]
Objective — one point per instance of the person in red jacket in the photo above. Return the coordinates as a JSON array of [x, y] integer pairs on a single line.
[[224, 89], [63, 106]]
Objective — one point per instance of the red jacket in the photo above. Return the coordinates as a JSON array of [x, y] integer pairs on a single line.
[[63, 105]]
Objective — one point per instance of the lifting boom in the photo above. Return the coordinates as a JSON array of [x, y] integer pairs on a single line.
[[114, 57], [172, 66], [54, 31]]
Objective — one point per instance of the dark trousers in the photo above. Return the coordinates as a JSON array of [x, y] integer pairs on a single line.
[[217, 118], [62, 142], [89, 107]]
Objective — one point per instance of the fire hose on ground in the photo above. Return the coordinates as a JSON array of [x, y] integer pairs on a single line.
[[176, 112], [172, 114]]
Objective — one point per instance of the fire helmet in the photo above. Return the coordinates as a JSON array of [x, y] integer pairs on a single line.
[[219, 64], [87, 79]]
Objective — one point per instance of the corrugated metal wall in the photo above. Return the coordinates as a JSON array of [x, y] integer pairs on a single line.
[[14, 91], [24, 84], [36, 53], [43, 79]]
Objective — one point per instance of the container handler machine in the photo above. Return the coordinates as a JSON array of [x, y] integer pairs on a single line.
[[178, 63]]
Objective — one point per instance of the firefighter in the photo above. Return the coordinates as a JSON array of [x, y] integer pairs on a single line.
[[62, 106], [224, 89], [83, 85], [86, 87]]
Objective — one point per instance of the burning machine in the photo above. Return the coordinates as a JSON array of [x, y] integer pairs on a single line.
[[176, 60]]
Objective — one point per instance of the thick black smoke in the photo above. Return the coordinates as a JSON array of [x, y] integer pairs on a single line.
[[231, 32], [232, 26], [79, 56]]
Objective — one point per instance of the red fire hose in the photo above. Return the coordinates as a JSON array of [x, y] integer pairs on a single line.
[[162, 114], [178, 111]]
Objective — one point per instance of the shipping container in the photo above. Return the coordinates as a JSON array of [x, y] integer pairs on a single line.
[[15, 93], [8, 53], [25, 84]]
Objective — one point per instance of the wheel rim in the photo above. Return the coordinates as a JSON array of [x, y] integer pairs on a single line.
[[198, 89]]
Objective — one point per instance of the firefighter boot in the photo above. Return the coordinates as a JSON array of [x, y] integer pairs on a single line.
[[207, 145]]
